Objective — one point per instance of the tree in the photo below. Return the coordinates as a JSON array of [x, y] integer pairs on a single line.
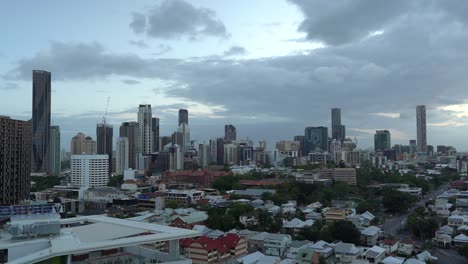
[[345, 231], [115, 181], [172, 204], [422, 224], [397, 202], [463, 250]]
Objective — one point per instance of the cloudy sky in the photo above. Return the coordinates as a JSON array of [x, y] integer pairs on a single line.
[[270, 67]]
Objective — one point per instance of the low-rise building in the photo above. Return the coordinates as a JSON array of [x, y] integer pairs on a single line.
[[346, 252], [374, 254], [370, 235], [182, 197], [253, 193], [405, 247], [335, 214], [189, 221], [295, 226], [269, 243], [390, 245]]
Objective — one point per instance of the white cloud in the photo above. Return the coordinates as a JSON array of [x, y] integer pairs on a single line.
[[450, 123], [389, 115]]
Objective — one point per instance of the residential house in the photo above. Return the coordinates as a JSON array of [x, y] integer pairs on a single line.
[[325, 250], [443, 236], [414, 261], [307, 256], [249, 219], [405, 247], [390, 245], [258, 258], [361, 221], [295, 246], [457, 220], [460, 240], [346, 252], [370, 235], [426, 257], [253, 193], [295, 226], [289, 207], [276, 244], [374, 254], [189, 221], [393, 260], [314, 216]]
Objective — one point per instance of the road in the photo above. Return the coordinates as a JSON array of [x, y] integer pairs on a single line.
[[393, 224], [449, 256]]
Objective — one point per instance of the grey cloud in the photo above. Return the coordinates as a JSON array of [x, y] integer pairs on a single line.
[[138, 43], [177, 18], [235, 50], [130, 82], [9, 86], [340, 22], [162, 49]]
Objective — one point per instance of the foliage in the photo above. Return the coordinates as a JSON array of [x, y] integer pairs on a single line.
[[65, 165], [115, 181], [345, 231], [43, 183], [226, 183], [463, 250], [172, 204], [397, 202], [422, 224]]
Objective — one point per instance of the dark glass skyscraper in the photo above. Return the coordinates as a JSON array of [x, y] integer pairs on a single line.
[[421, 128], [229, 133], [338, 130], [315, 138], [183, 116], [382, 140], [155, 128], [15, 160], [104, 133], [55, 166], [131, 131], [41, 121]]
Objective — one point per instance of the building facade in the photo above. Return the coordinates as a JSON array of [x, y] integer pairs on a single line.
[[82, 144], [230, 133], [89, 171], [55, 165], [121, 153], [183, 116], [316, 138], [104, 135], [131, 131], [421, 128], [382, 140], [41, 121], [145, 123], [155, 127], [15, 160], [338, 130]]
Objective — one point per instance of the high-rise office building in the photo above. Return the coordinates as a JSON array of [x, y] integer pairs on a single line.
[[15, 160], [413, 145], [184, 130], [300, 139], [183, 116], [220, 151], [145, 122], [163, 141], [41, 121], [82, 144], [121, 153], [55, 165], [155, 127], [104, 134], [131, 131], [89, 171], [315, 138], [382, 140], [421, 128], [230, 134], [338, 130]]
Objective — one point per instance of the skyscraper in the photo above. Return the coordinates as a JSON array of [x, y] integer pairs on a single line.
[[382, 140], [316, 138], [229, 133], [121, 152], [338, 130], [220, 151], [41, 121], [145, 123], [421, 128], [301, 144], [131, 131], [15, 160], [155, 127], [183, 116], [55, 166], [104, 134], [82, 144], [184, 130]]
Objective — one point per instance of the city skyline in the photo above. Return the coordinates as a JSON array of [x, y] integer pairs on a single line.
[[264, 88]]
